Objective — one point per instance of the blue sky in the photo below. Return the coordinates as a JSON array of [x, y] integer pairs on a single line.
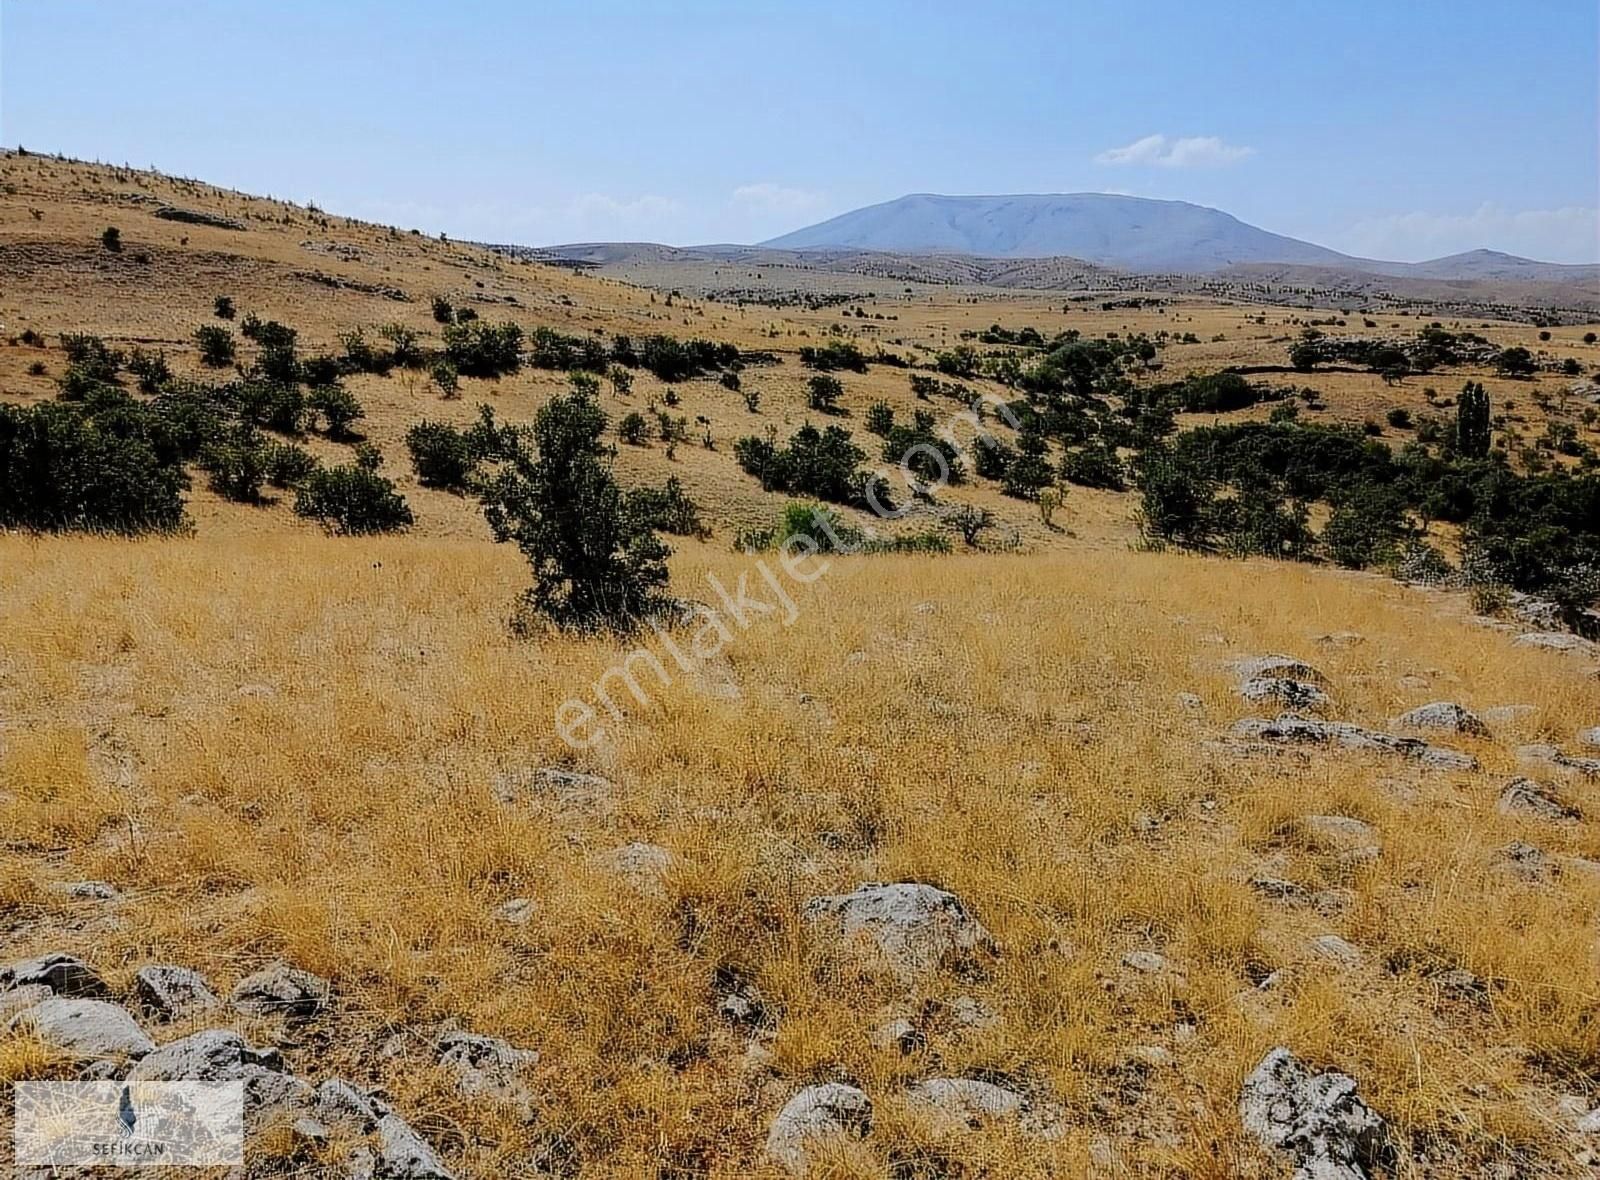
[[1401, 130]]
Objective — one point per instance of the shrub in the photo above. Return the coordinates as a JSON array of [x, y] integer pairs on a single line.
[[405, 348], [99, 465], [443, 313], [634, 429], [222, 307], [820, 463], [361, 357], [274, 405], [752, 400], [238, 464], [593, 565], [1175, 502], [1515, 362], [1490, 599], [441, 455], [836, 354], [217, 349], [667, 510], [150, 368], [338, 407], [111, 239], [823, 393], [94, 360], [446, 379], [482, 350], [880, 418], [621, 379], [1028, 470], [352, 500], [1399, 417], [1094, 465], [288, 465]]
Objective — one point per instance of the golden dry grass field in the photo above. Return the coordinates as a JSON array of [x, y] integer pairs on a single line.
[[278, 746]]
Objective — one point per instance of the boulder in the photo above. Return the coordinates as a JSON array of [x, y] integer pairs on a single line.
[[66, 975], [1524, 860], [281, 990], [486, 1067], [967, 1104], [1336, 950], [271, 1093], [1524, 796], [405, 1155], [20, 998], [829, 1111], [1290, 728], [1145, 962], [1286, 693], [1590, 737], [1563, 641], [86, 890], [1351, 839], [916, 928], [1275, 667], [643, 866], [1443, 717], [84, 1028], [173, 993], [1316, 1119], [338, 1103]]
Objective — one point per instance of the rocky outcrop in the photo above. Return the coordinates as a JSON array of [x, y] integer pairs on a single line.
[[90, 1029], [815, 1114], [1318, 1120], [281, 990], [916, 928], [1443, 717], [1290, 728]]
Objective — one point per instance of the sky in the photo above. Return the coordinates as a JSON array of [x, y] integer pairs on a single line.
[[1397, 130]]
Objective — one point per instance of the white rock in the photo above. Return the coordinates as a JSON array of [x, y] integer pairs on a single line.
[[1336, 950], [1319, 1121], [917, 928], [817, 1113], [1443, 717], [173, 993], [84, 1028]]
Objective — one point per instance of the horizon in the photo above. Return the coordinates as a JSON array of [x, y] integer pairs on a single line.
[[693, 130]]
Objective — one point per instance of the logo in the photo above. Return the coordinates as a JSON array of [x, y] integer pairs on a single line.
[[129, 1124]]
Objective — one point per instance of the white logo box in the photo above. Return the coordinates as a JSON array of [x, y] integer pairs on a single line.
[[129, 1124]]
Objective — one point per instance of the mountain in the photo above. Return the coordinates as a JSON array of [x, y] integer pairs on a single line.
[[1132, 233]]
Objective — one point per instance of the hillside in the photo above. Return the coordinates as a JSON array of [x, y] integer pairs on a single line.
[[1014, 859]]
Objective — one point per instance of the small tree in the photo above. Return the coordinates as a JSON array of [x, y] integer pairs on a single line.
[[338, 407], [634, 429], [443, 313], [352, 500], [111, 239], [621, 379], [216, 345], [222, 305], [823, 393], [446, 379], [1472, 421], [594, 565]]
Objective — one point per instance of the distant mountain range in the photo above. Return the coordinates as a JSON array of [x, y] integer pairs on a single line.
[[1129, 233]]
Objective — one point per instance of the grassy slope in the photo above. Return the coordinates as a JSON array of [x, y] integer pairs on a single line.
[[279, 744]]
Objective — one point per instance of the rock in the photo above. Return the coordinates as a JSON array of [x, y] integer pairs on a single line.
[[1189, 701], [1275, 667], [19, 998], [66, 975], [281, 990], [972, 1013], [1524, 860], [899, 1034], [1155, 1056], [1589, 1124], [173, 993], [84, 1028], [271, 1093], [738, 999], [405, 1155], [1289, 694], [917, 928], [1318, 1120], [566, 788], [519, 911], [1507, 714], [1352, 839], [643, 866], [1459, 984], [1443, 716], [828, 1111], [1336, 950], [1341, 639], [1145, 962], [86, 890], [486, 1067], [1523, 796], [1290, 728], [1590, 737], [198, 217], [1277, 888], [1563, 641], [338, 1103], [967, 1104]]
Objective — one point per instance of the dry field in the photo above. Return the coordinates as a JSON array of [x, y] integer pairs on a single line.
[[289, 748], [276, 746]]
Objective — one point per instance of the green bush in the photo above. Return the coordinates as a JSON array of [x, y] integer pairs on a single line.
[[441, 455], [352, 500], [634, 429], [238, 463], [820, 463], [338, 407], [93, 359], [217, 349], [823, 393], [102, 465], [222, 307], [288, 466], [666, 509], [1095, 465], [593, 564], [477, 349]]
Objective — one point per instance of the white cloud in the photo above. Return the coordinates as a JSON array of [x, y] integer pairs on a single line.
[[768, 197], [1567, 234], [1162, 151]]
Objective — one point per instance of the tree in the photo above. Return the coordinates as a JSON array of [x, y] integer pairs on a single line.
[[1515, 362], [1472, 421], [338, 407], [216, 346], [112, 239], [222, 305], [593, 564], [823, 393]]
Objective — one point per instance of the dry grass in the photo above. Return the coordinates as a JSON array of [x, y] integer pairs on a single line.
[[285, 747]]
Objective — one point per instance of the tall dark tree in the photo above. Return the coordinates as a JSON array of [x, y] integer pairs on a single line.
[[1472, 421]]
